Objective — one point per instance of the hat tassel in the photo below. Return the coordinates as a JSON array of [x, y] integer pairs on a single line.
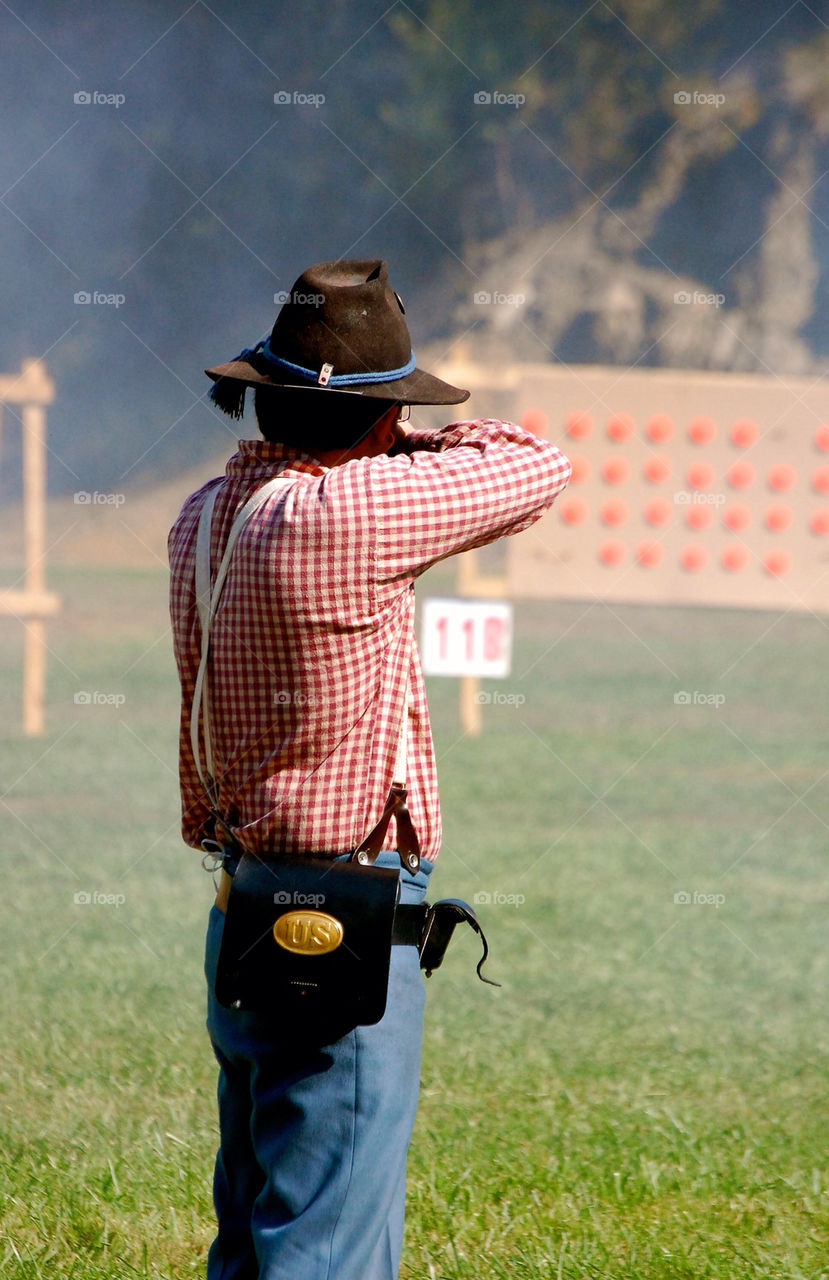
[[228, 394]]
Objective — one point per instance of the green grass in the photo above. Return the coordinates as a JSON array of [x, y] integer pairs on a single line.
[[644, 1097]]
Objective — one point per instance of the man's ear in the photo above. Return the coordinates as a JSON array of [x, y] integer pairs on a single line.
[[383, 430]]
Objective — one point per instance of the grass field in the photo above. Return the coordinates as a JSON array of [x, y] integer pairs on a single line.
[[645, 1097]]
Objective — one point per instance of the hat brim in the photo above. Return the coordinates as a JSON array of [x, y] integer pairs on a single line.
[[418, 387]]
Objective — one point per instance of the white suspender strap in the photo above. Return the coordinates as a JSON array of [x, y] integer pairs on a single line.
[[207, 602], [401, 758], [203, 559], [203, 608]]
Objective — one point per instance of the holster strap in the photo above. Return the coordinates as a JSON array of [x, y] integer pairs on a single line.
[[441, 919], [408, 924]]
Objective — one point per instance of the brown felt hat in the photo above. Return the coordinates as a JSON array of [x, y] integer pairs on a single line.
[[340, 329]]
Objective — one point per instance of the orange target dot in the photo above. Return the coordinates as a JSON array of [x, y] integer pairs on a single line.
[[822, 437], [777, 562], [620, 426], [578, 424], [698, 515], [574, 511], [736, 516], [734, 556], [782, 476], [580, 468], [819, 520], [612, 552], [650, 553], [657, 469], [778, 516], [659, 428], [740, 475], [744, 432], [820, 479], [693, 557], [535, 420], [702, 430], [615, 470], [614, 511], [700, 475], [658, 511]]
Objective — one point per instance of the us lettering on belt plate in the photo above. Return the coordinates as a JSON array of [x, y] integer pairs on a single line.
[[308, 933]]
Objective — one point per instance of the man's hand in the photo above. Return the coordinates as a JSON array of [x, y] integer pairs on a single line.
[[408, 439]]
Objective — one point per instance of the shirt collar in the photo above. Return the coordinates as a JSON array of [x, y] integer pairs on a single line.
[[263, 457]]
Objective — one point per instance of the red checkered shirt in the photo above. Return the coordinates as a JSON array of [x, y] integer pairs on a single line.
[[314, 635]]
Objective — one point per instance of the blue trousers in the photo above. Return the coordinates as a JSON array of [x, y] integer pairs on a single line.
[[310, 1176]]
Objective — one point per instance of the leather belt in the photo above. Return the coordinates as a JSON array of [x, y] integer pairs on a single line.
[[409, 918]]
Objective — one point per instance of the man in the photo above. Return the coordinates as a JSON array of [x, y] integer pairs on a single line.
[[313, 670]]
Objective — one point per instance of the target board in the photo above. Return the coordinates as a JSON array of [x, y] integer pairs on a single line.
[[686, 486]]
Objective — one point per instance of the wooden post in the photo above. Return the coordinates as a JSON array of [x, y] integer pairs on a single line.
[[470, 584], [32, 389], [34, 545], [470, 707]]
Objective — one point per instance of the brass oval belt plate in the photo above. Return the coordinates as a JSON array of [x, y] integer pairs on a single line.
[[308, 933]]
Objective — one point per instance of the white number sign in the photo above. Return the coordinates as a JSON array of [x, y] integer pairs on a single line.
[[466, 637]]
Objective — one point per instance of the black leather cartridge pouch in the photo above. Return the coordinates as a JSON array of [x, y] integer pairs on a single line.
[[309, 939]]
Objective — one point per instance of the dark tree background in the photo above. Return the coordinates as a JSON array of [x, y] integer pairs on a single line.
[[598, 198]]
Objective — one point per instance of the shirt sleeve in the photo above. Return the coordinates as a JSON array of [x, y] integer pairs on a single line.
[[459, 488]]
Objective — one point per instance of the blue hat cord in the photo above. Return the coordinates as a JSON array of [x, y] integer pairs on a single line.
[[229, 394]]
